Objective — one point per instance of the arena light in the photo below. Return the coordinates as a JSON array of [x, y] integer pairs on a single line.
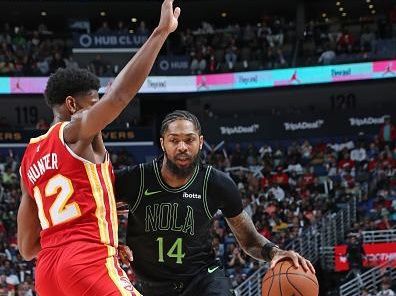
[[223, 14], [324, 14], [131, 31], [373, 12], [103, 13], [368, 1], [338, 3], [344, 14], [134, 20], [43, 13], [371, 6]]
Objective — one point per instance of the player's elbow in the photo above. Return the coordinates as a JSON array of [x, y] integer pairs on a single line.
[[26, 253], [28, 250]]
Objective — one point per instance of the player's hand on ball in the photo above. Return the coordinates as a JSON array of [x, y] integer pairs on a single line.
[[293, 256], [168, 21], [125, 255]]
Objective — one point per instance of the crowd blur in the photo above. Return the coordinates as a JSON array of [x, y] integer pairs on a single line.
[[284, 189], [268, 43]]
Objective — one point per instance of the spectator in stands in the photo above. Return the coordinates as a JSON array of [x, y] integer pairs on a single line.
[[237, 258], [359, 153], [104, 28], [43, 66], [43, 30], [365, 292], [42, 124], [9, 177], [71, 63], [387, 132], [355, 253], [385, 289], [328, 56], [56, 62], [142, 29], [248, 34], [263, 32], [345, 42], [97, 66], [276, 37], [231, 54], [367, 40], [198, 64], [121, 28]]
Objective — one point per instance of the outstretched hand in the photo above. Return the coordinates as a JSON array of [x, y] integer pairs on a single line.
[[125, 255], [169, 16], [295, 257]]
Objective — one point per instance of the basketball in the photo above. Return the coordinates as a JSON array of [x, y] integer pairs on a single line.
[[284, 279]]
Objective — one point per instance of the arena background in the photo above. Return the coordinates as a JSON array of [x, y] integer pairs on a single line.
[[293, 96]]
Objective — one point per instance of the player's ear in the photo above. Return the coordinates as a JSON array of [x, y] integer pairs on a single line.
[[71, 104], [162, 144], [201, 142]]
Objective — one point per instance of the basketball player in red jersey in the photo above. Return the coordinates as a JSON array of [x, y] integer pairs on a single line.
[[67, 179]]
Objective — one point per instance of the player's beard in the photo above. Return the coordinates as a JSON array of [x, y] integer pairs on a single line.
[[178, 171]]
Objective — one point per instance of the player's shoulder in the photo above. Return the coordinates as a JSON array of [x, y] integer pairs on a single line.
[[217, 177], [53, 131], [216, 172]]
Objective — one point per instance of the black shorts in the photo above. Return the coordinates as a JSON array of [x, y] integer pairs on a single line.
[[209, 282]]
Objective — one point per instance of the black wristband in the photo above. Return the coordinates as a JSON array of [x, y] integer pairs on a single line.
[[266, 251]]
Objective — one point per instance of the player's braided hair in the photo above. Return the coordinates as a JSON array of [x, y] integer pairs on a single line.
[[69, 82], [179, 115]]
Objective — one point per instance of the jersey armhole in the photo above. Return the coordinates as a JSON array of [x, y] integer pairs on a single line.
[[25, 184], [139, 197], [204, 190]]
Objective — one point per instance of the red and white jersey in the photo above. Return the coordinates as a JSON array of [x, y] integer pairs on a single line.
[[74, 196]]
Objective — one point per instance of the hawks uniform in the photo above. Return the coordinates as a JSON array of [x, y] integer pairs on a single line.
[[77, 213]]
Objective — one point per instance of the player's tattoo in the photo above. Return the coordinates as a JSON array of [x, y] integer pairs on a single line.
[[245, 232]]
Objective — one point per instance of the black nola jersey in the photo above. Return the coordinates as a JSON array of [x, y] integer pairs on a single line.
[[169, 228]]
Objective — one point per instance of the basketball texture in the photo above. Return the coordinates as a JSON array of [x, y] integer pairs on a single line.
[[285, 280]]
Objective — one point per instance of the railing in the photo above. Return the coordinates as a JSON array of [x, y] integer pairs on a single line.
[[307, 244], [327, 257], [379, 236], [333, 231], [252, 286], [370, 280]]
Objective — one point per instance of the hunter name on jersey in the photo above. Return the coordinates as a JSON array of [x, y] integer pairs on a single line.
[[37, 169], [168, 216]]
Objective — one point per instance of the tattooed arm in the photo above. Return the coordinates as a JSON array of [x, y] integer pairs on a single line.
[[224, 195], [248, 238], [254, 244]]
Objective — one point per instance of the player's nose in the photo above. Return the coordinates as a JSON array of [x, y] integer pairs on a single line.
[[182, 146]]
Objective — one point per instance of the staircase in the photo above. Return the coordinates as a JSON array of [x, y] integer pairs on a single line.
[[373, 277], [370, 280]]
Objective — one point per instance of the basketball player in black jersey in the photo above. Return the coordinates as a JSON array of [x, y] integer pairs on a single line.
[[172, 201]]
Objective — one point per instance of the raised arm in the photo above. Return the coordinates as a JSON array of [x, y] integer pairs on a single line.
[[28, 233], [127, 83], [260, 248]]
